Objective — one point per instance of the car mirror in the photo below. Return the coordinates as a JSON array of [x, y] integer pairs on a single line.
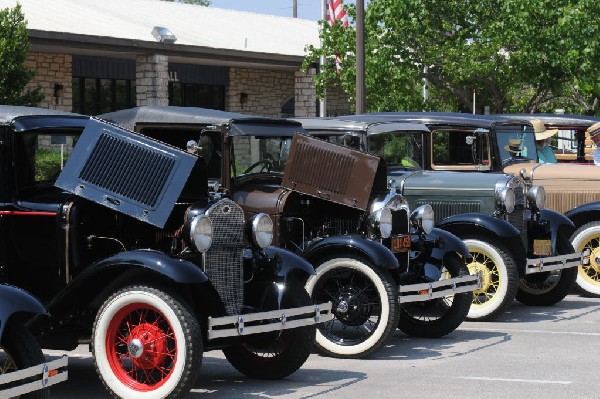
[[192, 147], [470, 140]]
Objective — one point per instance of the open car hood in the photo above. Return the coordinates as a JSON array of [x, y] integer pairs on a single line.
[[332, 172], [127, 172]]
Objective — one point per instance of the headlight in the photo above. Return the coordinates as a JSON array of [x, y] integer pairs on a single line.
[[507, 199], [201, 232], [262, 230], [423, 218], [536, 196], [381, 220]]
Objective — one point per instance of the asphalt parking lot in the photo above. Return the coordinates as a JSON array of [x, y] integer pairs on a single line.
[[530, 352]]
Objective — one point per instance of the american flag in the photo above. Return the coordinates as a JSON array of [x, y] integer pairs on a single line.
[[336, 12]]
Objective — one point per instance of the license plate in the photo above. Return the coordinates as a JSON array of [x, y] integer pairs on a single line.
[[542, 247], [400, 244]]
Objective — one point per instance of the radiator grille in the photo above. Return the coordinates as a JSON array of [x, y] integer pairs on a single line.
[[127, 169], [444, 209], [518, 217], [400, 222], [322, 169], [223, 264], [563, 201]]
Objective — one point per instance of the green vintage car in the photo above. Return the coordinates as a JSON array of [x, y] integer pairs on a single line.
[[521, 248]]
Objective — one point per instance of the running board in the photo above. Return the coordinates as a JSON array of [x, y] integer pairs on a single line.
[[438, 289], [274, 320], [551, 263], [47, 374]]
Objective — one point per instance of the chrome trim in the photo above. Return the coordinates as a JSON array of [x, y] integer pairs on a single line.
[[274, 320], [559, 262], [438, 289], [44, 379]]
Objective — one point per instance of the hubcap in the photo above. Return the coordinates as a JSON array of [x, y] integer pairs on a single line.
[[150, 341], [352, 307], [486, 279]]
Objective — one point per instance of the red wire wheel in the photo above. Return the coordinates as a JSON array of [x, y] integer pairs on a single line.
[[141, 347]]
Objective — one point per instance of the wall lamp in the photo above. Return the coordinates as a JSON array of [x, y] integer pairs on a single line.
[[243, 99], [163, 35], [59, 90]]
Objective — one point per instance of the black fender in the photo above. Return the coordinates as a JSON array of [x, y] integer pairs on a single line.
[[487, 226], [374, 251], [287, 261], [14, 300], [585, 213], [103, 277], [446, 242], [557, 223]]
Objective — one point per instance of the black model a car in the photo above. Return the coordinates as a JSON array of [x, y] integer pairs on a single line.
[[116, 234], [521, 248], [329, 204]]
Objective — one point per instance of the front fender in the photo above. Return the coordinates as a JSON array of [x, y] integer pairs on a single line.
[[447, 242], [374, 251], [558, 223], [483, 225], [584, 213], [286, 261], [137, 266], [14, 300]]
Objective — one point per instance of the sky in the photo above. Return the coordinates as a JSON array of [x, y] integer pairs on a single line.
[[307, 9]]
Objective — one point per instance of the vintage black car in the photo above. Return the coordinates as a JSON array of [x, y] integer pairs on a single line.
[[24, 371], [331, 205], [521, 248], [116, 234]]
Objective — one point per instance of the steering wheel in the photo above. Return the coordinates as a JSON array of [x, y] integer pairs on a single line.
[[262, 166]]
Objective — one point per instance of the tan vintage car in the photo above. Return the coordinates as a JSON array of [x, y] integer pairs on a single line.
[[571, 188]]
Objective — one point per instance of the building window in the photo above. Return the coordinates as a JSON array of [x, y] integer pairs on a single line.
[[93, 96], [197, 95]]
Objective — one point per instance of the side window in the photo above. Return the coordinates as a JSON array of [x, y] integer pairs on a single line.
[[464, 148], [41, 157]]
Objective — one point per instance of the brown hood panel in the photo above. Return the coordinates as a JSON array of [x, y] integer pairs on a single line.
[[330, 171]]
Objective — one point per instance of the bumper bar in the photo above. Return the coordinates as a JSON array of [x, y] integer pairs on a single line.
[[46, 374], [274, 320], [551, 263], [438, 289]]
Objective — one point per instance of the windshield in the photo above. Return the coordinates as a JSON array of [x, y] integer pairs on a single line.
[[398, 149], [516, 144], [260, 155]]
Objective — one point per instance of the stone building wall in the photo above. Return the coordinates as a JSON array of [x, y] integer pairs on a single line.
[[52, 69], [152, 80], [337, 102], [258, 92]]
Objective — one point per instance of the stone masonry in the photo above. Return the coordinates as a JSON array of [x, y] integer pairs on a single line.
[[152, 80], [52, 69]]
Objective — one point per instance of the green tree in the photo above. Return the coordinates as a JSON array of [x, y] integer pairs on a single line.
[[204, 3], [14, 47], [517, 56]]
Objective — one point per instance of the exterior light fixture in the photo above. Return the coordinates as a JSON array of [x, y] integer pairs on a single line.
[[163, 35]]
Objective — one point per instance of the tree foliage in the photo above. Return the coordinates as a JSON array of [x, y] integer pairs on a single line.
[[516, 56], [14, 47]]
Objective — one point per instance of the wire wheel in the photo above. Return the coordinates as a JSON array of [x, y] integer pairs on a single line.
[[588, 277]]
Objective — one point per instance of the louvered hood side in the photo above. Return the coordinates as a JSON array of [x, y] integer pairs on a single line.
[[329, 171], [127, 172]]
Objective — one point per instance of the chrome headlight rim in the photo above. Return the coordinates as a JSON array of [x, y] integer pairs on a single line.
[[381, 222], [261, 230], [200, 233], [423, 218], [536, 198], [507, 199]]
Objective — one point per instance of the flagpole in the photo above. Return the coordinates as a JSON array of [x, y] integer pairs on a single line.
[[360, 56], [323, 101]]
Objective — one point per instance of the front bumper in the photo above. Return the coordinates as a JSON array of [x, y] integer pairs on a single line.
[[274, 320], [437, 289], [34, 378], [551, 263]]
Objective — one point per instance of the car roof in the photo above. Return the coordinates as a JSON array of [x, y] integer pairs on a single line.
[[559, 119], [241, 124], [447, 118], [8, 113], [347, 123]]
